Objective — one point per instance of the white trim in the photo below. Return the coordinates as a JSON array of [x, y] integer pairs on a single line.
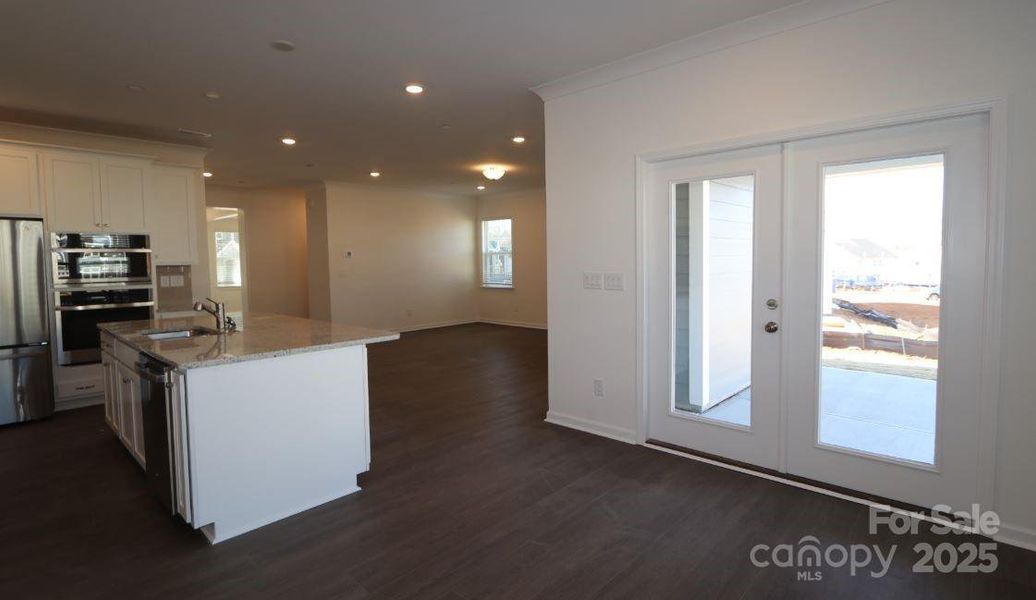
[[78, 402], [595, 427], [737, 33], [1022, 537], [542, 326], [457, 322], [435, 325], [989, 386], [93, 134]]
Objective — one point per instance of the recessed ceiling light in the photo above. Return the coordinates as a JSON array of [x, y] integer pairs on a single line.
[[480, 187], [375, 174], [287, 141], [493, 172], [207, 174], [414, 88], [213, 95], [136, 88], [518, 139], [283, 45]]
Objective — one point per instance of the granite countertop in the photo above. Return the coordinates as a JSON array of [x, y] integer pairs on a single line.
[[258, 336]]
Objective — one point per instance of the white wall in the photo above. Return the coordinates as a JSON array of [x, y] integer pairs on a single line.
[[413, 256], [526, 303], [899, 56], [274, 232]]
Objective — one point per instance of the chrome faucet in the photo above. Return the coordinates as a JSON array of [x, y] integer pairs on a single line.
[[223, 322]]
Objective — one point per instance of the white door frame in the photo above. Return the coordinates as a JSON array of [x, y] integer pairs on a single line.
[[989, 347]]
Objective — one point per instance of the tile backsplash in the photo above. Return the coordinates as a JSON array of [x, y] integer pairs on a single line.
[[174, 288]]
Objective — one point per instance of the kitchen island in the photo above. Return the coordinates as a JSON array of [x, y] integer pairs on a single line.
[[259, 423]]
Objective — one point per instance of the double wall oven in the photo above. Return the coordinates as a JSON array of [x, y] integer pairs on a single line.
[[98, 278]]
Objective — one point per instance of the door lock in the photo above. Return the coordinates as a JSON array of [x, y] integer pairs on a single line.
[[771, 327], [772, 304]]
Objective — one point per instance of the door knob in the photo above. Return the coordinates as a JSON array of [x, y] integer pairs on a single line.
[[771, 327]]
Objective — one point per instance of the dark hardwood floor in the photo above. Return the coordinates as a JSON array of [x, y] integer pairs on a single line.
[[471, 495]]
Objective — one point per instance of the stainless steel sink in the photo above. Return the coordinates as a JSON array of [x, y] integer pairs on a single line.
[[181, 333]]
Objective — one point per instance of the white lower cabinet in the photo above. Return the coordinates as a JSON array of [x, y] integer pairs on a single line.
[[122, 408], [123, 411]]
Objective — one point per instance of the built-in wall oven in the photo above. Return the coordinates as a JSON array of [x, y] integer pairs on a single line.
[[97, 278]]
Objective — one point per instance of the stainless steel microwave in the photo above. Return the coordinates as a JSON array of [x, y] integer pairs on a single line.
[[103, 258]]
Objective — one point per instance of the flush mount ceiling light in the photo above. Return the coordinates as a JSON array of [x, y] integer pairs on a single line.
[[283, 45], [414, 88], [207, 174], [136, 88], [493, 172], [375, 174], [518, 139], [480, 187], [213, 95], [288, 141]]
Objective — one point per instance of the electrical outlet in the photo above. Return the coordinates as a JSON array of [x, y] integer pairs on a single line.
[[163, 281], [614, 281], [176, 281], [598, 388], [592, 281]]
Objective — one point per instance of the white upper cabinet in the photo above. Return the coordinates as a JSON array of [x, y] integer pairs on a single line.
[[19, 182], [88, 192], [72, 186], [123, 190], [170, 213]]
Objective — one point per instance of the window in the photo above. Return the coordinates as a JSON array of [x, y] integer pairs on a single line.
[[228, 259], [497, 253]]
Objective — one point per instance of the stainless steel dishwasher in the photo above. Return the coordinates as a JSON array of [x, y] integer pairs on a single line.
[[154, 400]]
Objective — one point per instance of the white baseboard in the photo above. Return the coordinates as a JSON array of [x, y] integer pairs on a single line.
[[469, 322], [594, 427], [1023, 537], [437, 325], [542, 326]]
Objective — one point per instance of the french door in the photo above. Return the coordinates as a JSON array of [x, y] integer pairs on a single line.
[[714, 258], [814, 307]]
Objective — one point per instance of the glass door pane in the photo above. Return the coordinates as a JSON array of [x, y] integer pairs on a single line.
[[880, 298], [712, 297]]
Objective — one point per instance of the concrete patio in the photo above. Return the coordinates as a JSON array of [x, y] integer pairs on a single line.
[[890, 415]]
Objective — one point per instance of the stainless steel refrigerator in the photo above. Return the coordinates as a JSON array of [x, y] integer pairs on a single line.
[[26, 387]]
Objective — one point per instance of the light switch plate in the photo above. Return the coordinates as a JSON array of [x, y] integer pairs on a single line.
[[592, 281], [614, 281]]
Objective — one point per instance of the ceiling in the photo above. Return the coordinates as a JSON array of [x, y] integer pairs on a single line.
[[69, 63]]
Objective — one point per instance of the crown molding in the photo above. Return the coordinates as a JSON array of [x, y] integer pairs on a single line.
[[737, 33]]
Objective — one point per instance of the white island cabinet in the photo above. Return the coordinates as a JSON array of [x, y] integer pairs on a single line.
[[264, 422]]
